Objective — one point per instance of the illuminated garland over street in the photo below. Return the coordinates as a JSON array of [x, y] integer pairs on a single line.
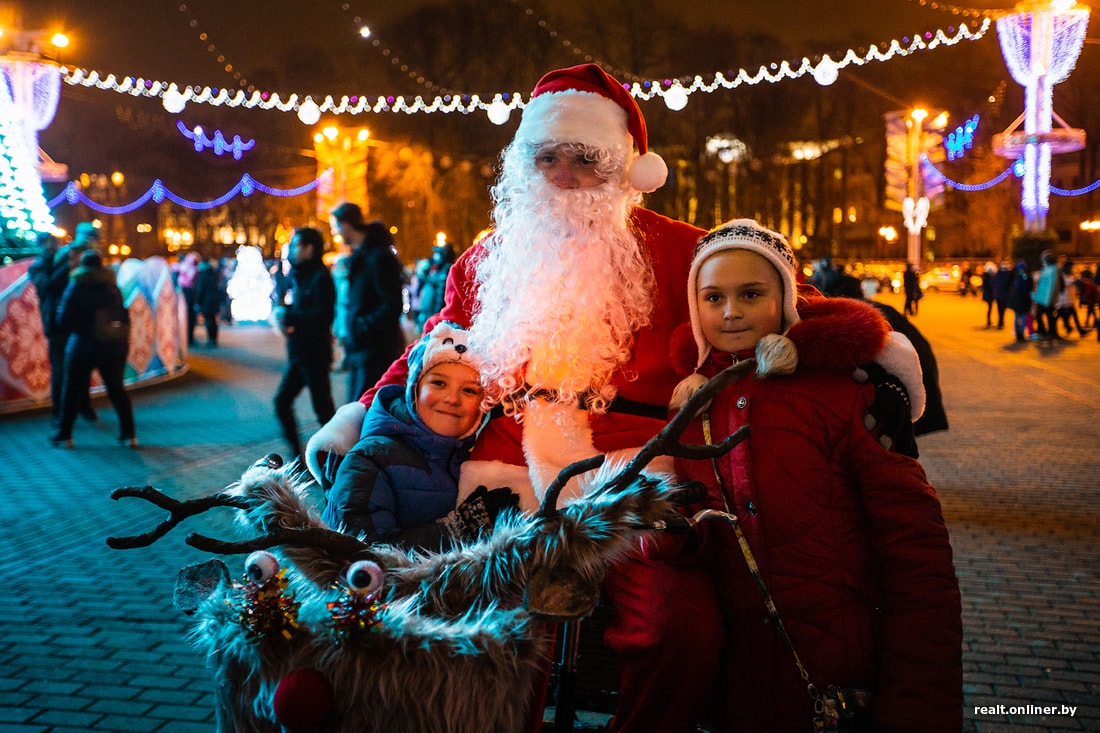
[[158, 192], [1014, 167], [500, 104], [218, 143]]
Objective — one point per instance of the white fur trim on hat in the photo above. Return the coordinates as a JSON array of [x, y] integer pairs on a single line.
[[593, 120], [749, 235], [575, 117], [900, 359]]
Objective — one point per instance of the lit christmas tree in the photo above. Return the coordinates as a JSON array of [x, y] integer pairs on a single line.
[[23, 209]]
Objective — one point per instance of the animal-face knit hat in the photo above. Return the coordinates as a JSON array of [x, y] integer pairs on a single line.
[[447, 343], [584, 104], [775, 353]]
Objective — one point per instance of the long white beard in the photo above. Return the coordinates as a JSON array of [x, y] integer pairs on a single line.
[[563, 287]]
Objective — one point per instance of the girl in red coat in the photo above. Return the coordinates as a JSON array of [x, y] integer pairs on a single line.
[[848, 535]]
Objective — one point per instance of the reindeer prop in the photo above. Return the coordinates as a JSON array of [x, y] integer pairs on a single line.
[[340, 636]]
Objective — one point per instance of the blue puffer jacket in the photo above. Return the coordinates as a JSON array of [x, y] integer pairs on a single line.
[[398, 479]]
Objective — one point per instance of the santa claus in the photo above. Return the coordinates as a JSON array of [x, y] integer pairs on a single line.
[[572, 300]]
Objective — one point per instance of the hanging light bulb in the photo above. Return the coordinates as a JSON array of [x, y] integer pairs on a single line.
[[173, 101], [498, 111], [826, 71], [675, 97], [308, 112]]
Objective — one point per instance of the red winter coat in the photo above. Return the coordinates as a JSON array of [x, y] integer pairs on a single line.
[[647, 378], [852, 545]]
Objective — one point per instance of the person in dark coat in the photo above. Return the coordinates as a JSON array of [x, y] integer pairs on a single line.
[[94, 318], [307, 299], [910, 280], [374, 337], [1002, 285], [432, 282], [1019, 297], [208, 298], [50, 277]]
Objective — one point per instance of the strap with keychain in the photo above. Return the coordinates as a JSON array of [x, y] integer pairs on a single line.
[[835, 708]]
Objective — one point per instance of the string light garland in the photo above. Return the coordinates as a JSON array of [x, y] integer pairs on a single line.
[[959, 10], [571, 47], [499, 105], [158, 192], [375, 42], [217, 143], [212, 49], [1015, 168]]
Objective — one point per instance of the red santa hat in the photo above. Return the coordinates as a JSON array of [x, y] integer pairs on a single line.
[[584, 104]]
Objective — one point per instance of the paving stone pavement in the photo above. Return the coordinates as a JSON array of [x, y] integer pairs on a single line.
[[91, 642]]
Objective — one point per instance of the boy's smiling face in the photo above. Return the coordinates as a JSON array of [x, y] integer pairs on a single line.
[[740, 299], [448, 399]]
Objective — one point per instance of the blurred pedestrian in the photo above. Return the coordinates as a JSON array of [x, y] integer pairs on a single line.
[[208, 298], [340, 320], [910, 281], [1002, 285], [1019, 299], [826, 278], [1045, 297], [432, 281], [1067, 300], [66, 260], [225, 274], [1087, 293], [306, 302], [988, 272], [50, 277], [186, 273], [95, 319], [374, 336]]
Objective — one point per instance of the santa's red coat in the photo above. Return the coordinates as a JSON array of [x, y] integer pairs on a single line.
[[648, 377]]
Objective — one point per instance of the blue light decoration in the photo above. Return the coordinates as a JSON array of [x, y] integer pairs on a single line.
[[217, 143], [962, 139], [1017, 169], [248, 185]]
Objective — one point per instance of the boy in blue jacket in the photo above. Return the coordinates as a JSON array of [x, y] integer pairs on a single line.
[[399, 484]]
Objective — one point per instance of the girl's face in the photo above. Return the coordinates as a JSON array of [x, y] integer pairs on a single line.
[[448, 399], [740, 299]]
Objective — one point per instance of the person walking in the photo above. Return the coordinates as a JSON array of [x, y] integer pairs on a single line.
[[186, 274], [1019, 298], [1002, 285], [307, 301], [910, 281], [50, 277], [94, 318], [1047, 289], [208, 298], [988, 273], [374, 338], [1067, 300]]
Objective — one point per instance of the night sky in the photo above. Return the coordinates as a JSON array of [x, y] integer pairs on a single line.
[[154, 39]]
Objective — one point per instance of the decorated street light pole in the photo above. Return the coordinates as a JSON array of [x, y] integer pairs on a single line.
[[1040, 43]]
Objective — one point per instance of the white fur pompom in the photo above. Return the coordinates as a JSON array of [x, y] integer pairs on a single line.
[[685, 389], [775, 354], [900, 359], [338, 435], [647, 172]]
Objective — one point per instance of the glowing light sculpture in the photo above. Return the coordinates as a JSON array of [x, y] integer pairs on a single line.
[[29, 91], [1040, 43]]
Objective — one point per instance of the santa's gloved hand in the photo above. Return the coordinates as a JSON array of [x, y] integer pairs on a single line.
[[890, 415], [478, 513]]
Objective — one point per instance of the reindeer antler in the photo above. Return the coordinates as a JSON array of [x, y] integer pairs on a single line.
[[177, 512], [319, 538], [664, 443]]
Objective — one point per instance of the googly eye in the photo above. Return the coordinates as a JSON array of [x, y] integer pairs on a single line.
[[261, 566], [365, 576]]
